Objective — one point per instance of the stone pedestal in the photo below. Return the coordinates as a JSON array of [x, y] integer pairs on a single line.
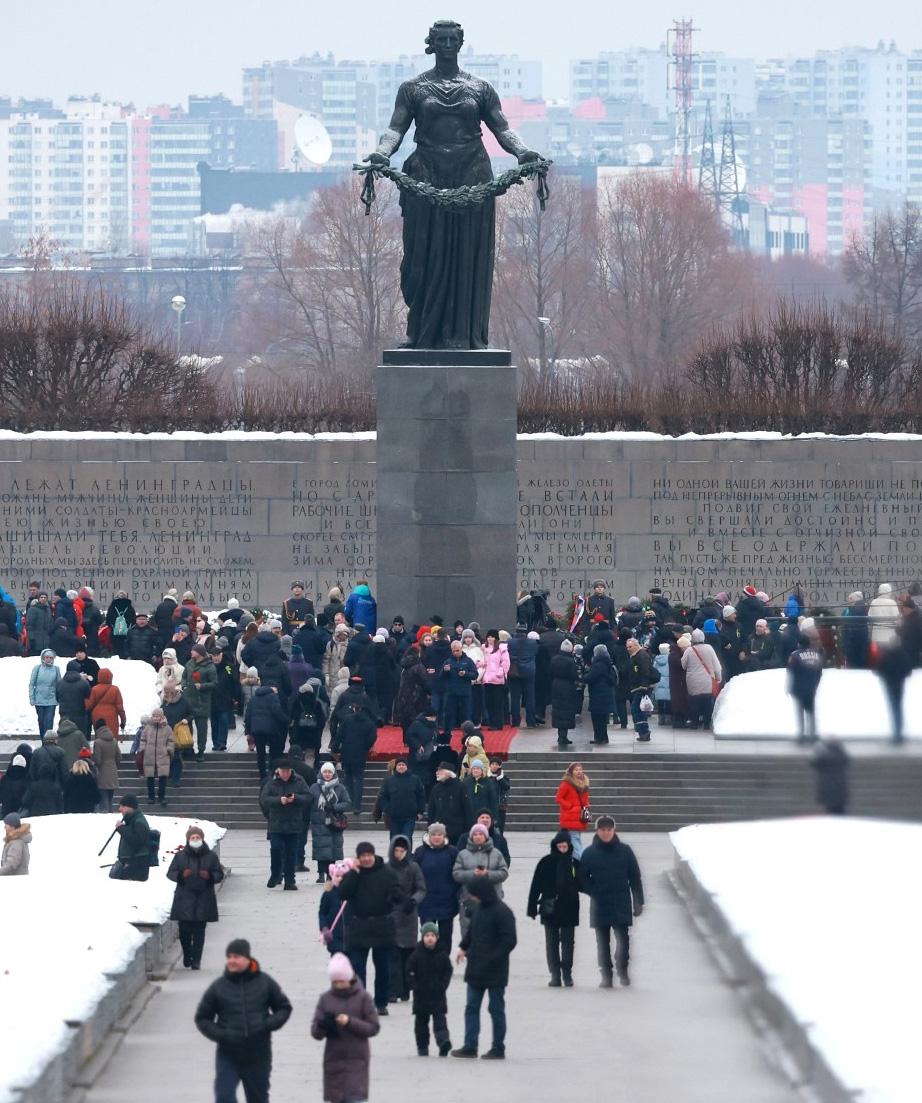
[[446, 486]]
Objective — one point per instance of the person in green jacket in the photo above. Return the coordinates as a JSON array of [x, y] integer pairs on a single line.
[[199, 680], [133, 842]]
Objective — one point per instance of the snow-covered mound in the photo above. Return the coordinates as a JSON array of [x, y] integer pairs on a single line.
[[67, 929], [790, 890], [17, 717], [851, 704]]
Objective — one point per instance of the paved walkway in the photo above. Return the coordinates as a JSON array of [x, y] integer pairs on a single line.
[[677, 1034]]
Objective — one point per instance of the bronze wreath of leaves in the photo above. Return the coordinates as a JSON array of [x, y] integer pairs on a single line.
[[456, 199]]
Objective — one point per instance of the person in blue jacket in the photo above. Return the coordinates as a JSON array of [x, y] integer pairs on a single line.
[[43, 690], [361, 608]]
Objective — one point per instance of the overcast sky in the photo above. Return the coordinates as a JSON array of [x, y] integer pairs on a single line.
[[160, 52]]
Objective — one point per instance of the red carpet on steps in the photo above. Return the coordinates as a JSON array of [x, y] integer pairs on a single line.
[[390, 743]]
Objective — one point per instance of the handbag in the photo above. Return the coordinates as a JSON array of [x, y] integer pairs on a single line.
[[336, 820], [585, 813], [513, 671], [547, 906], [182, 735], [716, 684]]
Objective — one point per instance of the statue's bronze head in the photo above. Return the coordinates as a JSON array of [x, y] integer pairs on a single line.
[[439, 28]]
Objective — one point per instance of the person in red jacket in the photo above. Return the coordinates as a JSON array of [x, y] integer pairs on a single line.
[[573, 800]]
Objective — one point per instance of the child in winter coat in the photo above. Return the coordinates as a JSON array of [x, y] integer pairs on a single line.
[[331, 919], [345, 1019], [661, 690], [429, 975]]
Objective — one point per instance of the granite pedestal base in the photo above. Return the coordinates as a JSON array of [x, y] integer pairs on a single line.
[[446, 486]]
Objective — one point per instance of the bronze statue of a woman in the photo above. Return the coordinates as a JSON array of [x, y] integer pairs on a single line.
[[447, 271]]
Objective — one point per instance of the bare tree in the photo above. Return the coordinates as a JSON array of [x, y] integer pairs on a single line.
[[72, 359], [664, 272], [884, 268], [327, 294], [542, 288]]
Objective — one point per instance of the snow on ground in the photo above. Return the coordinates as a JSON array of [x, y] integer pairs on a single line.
[[850, 704], [17, 717], [67, 928], [829, 909]]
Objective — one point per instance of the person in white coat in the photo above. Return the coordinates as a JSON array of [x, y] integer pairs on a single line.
[[702, 669], [884, 614]]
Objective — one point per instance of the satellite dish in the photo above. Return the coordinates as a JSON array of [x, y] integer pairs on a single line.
[[640, 154], [313, 140]]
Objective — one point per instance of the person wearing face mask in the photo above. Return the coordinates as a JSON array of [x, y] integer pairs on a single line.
[[196, 870]]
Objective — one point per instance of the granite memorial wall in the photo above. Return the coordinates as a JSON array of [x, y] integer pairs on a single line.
[[227, 517]]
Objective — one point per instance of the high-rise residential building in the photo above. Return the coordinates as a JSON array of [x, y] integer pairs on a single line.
[[65, 174], [642, 76], [815, 166]]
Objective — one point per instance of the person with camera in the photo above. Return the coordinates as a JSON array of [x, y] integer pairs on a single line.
[[344, 1020], [554, 896], [241, 1010]]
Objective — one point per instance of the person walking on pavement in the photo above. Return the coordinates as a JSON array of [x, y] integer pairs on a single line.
[[373, 893], [412, 887], [486, 947], [436, 858], [345, 1018], [554, 895], [429, 975], [573, 801], [196, 870], [354, 736], [610, 877], [284, 799], [449, 803], [241, 1010]]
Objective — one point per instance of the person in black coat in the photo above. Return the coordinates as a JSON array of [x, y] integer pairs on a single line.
[[749, 609], [285, 801], [601, 679], [428, 976], [142, 641], [62, 640], [309, 775], [549, 641], [386, 678], [805, 669], [373, 893], [449, 803], [709, 609], [13, 785], [81, 790], [610, 876], [307, 718], [196, 870], [830, 761], [643, 676], [163, 620], [240, 1011], [732, 643], [554, 895], [312, 641], [487, 947], [600, 602], [73, 690], [9, 647], [119, 607], [564, 675], [361, 661], [421, 739], [355, 735], [402, 799], [87, 665], [763, 648], [265, 720]]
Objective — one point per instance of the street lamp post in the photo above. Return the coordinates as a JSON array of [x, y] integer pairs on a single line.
[[178, 303]]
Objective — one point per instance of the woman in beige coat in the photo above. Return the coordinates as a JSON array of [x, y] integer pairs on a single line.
[[108, 757], [702, 669], [157, 745]]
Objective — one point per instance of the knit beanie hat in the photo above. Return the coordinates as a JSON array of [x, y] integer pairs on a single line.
[[429, 928], [566, 647], [11, 819], [199, 649], [195, 830], [340, 968], [728, 611], [605, 821], [233, 603], [364, 848], [238, 946], [664, 648]]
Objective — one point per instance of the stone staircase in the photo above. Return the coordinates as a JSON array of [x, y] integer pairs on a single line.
[[647, 792]]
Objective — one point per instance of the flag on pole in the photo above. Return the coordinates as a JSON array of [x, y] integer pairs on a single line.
[[578, 609]]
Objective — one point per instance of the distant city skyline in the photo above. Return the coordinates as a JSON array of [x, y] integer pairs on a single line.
[[147, 54]]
